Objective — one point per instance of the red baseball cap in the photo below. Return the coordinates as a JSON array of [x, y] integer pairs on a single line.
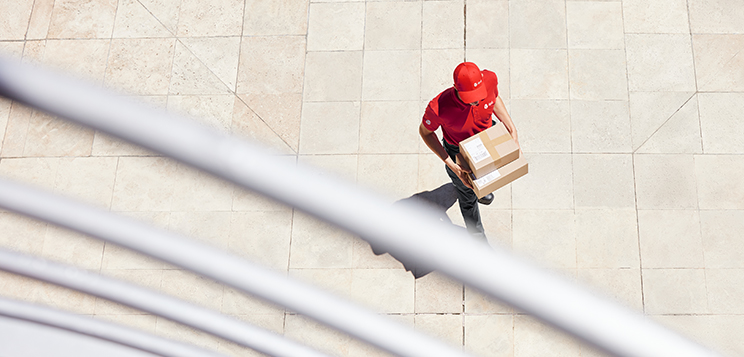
[[469, 82]]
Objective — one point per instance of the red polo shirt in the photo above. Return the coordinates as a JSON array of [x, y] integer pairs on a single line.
[[459, 120]]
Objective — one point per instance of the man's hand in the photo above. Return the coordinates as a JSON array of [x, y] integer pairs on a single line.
[[461, 170]]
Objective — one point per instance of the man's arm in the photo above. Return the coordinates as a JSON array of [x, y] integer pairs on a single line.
[[432, 141], [500, 110]]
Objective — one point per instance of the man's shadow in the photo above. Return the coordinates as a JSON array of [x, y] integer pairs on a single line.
[[440, 200]]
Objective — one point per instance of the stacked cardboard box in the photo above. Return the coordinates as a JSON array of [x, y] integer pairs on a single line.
[[494, 159]]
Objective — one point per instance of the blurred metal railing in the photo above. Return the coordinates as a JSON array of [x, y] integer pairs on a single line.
[[409, 231]]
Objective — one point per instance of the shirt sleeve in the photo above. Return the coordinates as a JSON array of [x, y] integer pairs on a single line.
[[431, 119]]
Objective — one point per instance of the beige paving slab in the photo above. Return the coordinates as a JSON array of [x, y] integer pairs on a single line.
[[364, 258], [718, 121], [129, 70], [437, 67], [680, 134], [51, 136], [334, 280], [134, 20], [603, 181], [721, 232], [389, 127], [317, 244], [147, 323], [489, 335], [498, 221], [674, 291], [665, 181], [21, 234], [144, 184], [212, 228], [82, 58], [595, 25], [718, 181], [268, 17], [660, 62], [620, 285], [436, 293], [213, 110], [311, 333], [487, 24], [548, 185], [532, 338], [33, 52], [333, 76], [182, 333], [330, 128], [606, 238], [198, 191], [715, 16], [391, 75], [191, 76], [281, 113], [12, 49], [537, 24], [262, 237], [477, 303], [544, 126], [393, 26], [650, 110], [392, 176], [719, 62], [41, 16], [668, 16], [247, 125], [384, 290], [552, 243], [670, 239], [272, 322], [167, 12], [342, 167], [219, 54], [497, 61], [445, 328], [442, 24], [698, 327], [16, 130], [725, 290], [116, 257], [87, 179], [39, 172], [600, 126], [272, 65], [192, 288], [148, 279], [220, 18], [243, 306], [539, 74], [82, 19], [63, 299], [336, 26], [5, 106], [597, 75]]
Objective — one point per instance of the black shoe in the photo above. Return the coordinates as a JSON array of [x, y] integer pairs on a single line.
[[486, 200]]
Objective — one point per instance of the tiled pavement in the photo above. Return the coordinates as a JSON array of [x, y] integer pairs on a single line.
[[629, 113]]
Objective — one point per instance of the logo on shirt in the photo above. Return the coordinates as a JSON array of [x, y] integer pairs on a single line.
[[428, 122], [487, 105]]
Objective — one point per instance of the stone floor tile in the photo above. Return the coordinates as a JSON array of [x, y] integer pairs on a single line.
[[271, 322], [134, 20], [674, 291], [680, 134], [495, 60], [235, 302], [600, 126], [719, 63], [487, 24], [489, 335], [246, 124], [597, 75], [272, 65], [364, 258], [437, 67], [147, 323], [343, 167], [211, 228], [432, 174], [33, 52], [393, 26], [477, 303], [552, 243], [245, 200], [140, 66], [670, 239], [547, 185], [441, 24], [316, 244], [544, 126], [533, 338], [199, 191], [21, 234], [148, 279], [716, 16], [166, 12], [13, 50], [723, 338], [725, 290], [262, 237], [539, 74], [219, 54], [83, 58], [498, 223], [5, 105], [83, 19], [384, 290], [214, 110], [333, 76], [269, 17], [391, 175], [191, 77], [721, 233], [16, 130], [445, 328], [106, 145], [336, 27], [537, 24], [668, 16], [51, 136], [63, 299], [718, 120], [606, 238], [700, 328], [719, 181], [182, 333], [282, 113], [665, 181], [313, 334], [39, 172], [389, 127], [620, 285], [391, 75], [330, 128], [41, 16], [117, 257], [436, 293], [603, 181], [87, 179], [144, 184], [595, 25], [192, 288], [649, 111], [334, 280], [660, 62], [220, 18]]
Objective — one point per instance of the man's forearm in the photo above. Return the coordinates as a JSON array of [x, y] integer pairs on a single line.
[[499, 109]]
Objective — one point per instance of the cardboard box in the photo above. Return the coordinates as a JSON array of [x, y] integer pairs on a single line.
[[499, 177], [488, 150]]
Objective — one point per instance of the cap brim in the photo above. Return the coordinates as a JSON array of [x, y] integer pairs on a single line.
[[474, 95]]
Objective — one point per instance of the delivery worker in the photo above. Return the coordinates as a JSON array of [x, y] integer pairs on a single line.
[[462, 111]]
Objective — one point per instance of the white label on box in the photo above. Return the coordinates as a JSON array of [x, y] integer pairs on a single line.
[[477, 150], [485, 180]]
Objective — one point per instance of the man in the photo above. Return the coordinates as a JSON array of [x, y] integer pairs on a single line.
[[463, 111]]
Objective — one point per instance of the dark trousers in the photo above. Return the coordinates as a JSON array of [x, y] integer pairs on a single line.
[[465, 197]]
